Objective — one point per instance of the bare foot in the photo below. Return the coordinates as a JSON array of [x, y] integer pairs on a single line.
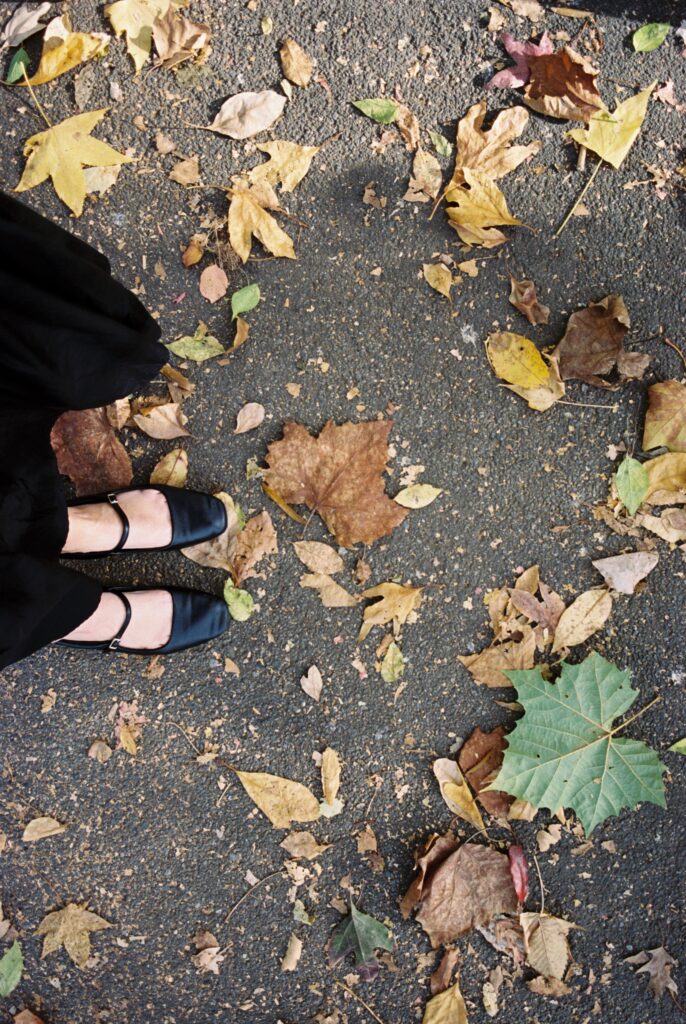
[[98, 527], [150, 625]]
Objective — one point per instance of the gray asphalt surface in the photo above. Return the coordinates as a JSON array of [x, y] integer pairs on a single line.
[[160, 845]]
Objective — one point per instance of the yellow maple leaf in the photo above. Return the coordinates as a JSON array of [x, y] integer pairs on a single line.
[[247, 217], [395, 605], [135, 19], [611, 135], [70, 927], [288, 163], [61, 153], [64, 50], [478, 209]]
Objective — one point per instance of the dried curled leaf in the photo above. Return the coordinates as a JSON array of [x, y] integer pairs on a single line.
[[563, 85], [593, 344], [582, 618], [288, 163], [516, 360], [89, 452], [248, 113], [545, 941], [396, 603], [478, 208], [524, 298], [297, 65], [63, 50], [490, 152], [665, 422], [456, 792]]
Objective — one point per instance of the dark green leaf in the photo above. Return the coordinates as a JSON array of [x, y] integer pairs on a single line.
[[380, 110], [649, 37], [18, 65], [632, 484], [564, 753], [11, 967], [244, 300], [361, 934]]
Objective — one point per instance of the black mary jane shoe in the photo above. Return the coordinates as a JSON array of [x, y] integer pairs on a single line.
[[196, 618], [195, 517]]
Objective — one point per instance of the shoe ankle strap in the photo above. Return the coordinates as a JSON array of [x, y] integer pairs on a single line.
[[116, 639], [112, 499]]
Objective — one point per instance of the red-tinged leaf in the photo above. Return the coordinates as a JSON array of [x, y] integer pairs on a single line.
[[519, 870]]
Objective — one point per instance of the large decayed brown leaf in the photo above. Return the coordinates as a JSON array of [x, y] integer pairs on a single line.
[[89, 452], [490, 152], [593, 345], [562, 84], [665, 422], [339, 475]]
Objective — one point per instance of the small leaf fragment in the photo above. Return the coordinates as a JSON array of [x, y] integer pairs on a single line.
[[239, 602], [244, 300], [417, 495], [393, 664], [41, 828]]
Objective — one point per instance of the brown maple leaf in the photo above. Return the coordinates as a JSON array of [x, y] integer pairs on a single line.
[[339, 475], [89, 452], [256, 539], [563, 85], [460, 888], [524, 298], [593, 344], [490, 152], [480, 759]]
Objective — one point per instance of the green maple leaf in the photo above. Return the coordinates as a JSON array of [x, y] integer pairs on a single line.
[[564, 752], [360, 934]]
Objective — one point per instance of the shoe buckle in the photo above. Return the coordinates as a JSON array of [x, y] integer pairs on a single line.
[[112, 498], [114, 644]]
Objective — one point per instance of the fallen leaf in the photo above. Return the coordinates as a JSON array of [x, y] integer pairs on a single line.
[[393, 664], [22, 24], [312, 683], [292, 954], [297, 66], [632, 483], [128, 728], [99, 180], [671, 525], [63, 50], [218, 552], [26, 1017], [478, 207], [417, 495], [318, 557], [135, 19], [331, 775], [395, 605], [545, 941], [288, 163], [100, 751], [172, 469], [339, 475], [382, 110], [548, 987], [456, 792], [524, 298], [360, 934], [611, 135], [563, 85], [248, 113], [583, 764], [197, 347], [163, 422], [332, 594], [61, 153], [213, 283], [650, 36], [89, 452], [666, 479], [245, 299], [480, 759], [657, 964], [70, 927], [425, 181], [42, 828], [582, 618], [281, 800], [178, 39], [208, 960], [489, 666], [446, 1008], [247, 217], [186, 172], [249, 417], [11, 969], [303, 844], [516, 360], [490, 153], [242, 331], [526, 9], [438, 277], [519, 869], [623, 572], [547, 837], [442, 976], [518, 74], [255, 541], [665, 421], [467, 888], [239, 602]]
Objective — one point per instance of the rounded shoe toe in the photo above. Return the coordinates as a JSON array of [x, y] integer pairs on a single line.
[[198, 617], [195, 517]]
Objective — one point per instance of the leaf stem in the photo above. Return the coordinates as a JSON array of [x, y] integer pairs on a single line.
[[633, 718], [578, 199], [249, 892], [35, 98], [360, 1000], [540, 882], [676, 349]]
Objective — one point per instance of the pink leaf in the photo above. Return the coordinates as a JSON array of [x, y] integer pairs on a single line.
[[518, 74], [213, 283], [519, 871]]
